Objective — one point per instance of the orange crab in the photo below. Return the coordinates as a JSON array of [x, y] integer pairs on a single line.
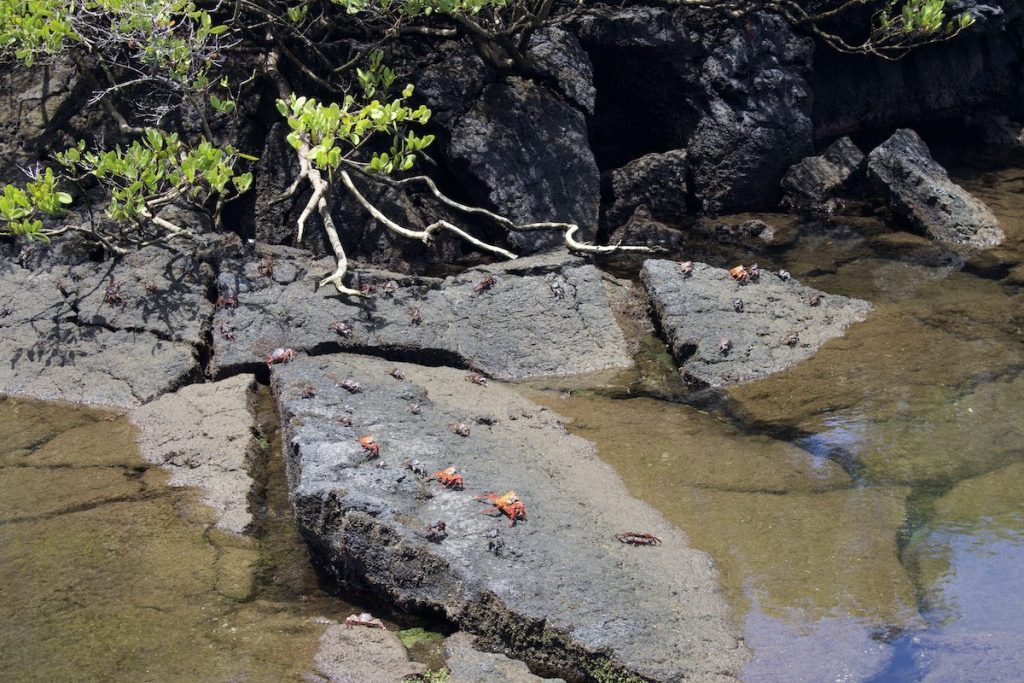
[[739, 274], [369, 445], [507, 504], [450, 477]]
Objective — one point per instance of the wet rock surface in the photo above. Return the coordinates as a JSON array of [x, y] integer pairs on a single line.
[[117, 333], [544, 315], [201, 435], [527, 589], [916, 187], [466, 664], [722, 331]]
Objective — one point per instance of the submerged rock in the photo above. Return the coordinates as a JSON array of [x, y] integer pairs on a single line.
[[530, 590], [919, 189], [544, 315], [466, 664], [716, 341], [362, 655]]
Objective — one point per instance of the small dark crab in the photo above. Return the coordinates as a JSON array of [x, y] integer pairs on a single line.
[[308, 391], [638, 538], [350, 385], [460, 428], [435, 532], [417, 468], [724, 346], [686, 268], [397, 374], [341, 329], [476, 378], [266, 267], [112, 294], [414, 315], [814, 299], [415, 408], [791, 338], [555, 285], [485, 283]]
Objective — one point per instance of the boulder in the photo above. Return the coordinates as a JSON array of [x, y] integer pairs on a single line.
[[525, 152], [558, 53], [917, 188], [118, 333], [814, 184], [721, 331], [543, 315], [362, 655], [526, 589], [655, 181], [755, 119]]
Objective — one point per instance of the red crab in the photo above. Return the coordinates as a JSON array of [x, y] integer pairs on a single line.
[[450, 477], [638, 538], [369, 445], [507, 504]]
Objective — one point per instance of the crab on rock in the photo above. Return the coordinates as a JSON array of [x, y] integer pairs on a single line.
[[507, 504], [369, 445], [364, 619], [450, 477]]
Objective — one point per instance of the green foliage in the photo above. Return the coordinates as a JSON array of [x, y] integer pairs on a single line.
[[338, 132], [20, 209], [172, 39], [411, 637], [156, 168], [902, 20], [415, 8]]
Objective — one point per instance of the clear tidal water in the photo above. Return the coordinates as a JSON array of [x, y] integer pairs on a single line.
[[866, 507]]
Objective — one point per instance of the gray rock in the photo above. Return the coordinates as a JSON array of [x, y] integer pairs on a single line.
[[698, 314], [64, 341], [814, 184], [656, 181], [525, 152], [642, 229], [559, 54], [527, 590], [918, 188], [362, 655], [201, 434], [517, 328], [152, 290], [607, 26], [466, 664]]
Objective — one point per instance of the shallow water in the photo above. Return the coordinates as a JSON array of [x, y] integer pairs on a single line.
[[107, 574], [866, 507]]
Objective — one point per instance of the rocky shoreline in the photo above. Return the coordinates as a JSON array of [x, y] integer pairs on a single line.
[[525, 590]]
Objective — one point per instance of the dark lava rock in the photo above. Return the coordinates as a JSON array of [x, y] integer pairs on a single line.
[[525, 152], [558, 52], [543, 315], [641, 229], [563, 595], [452, 85], [756, 119], [655, 181], [918, 188], [781, 324], [70, 334], [813, 184]]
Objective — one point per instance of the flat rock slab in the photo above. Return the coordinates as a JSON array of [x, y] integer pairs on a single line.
[[699, 312], [918, 188], [201, 434], [543, 315], [527, 590], [65, 339]]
